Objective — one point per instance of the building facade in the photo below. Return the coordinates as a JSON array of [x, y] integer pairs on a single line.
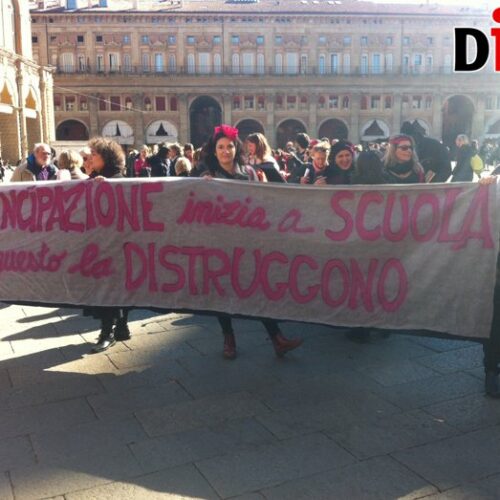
[[156, 70], [26, 99]]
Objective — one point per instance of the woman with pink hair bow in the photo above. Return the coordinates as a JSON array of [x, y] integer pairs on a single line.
[[222, 158]]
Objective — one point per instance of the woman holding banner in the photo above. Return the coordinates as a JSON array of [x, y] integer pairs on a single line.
[[401, 162], [223, 159], [330, 166], [108, 162]]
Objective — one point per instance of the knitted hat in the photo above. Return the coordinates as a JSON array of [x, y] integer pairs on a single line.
[[302, 140], [341, 146]]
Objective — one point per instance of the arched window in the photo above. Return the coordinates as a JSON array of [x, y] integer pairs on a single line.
[[172, 63], [364, 64], [235, 64], [159, 63], [67, 62], [321, 65], [447, 63], [278, 64], [389, 63], [217, 64], [347, 64], [145, 63], [428, 63], [113, 62], [127, 65], [260, 64], [191, 64]]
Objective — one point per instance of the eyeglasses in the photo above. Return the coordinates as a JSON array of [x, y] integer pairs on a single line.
[[405, 148]]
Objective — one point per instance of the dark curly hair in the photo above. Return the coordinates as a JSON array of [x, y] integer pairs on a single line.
[[111, 152], [208, 152]]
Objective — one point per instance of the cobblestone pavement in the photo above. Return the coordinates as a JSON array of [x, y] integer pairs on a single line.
[[163, 415]]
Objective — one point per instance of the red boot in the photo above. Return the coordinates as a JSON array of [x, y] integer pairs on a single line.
[[229, 351], [282, 345]]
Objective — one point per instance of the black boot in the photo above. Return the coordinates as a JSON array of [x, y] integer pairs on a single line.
[[121, 331], [106, 338], [491, 384]]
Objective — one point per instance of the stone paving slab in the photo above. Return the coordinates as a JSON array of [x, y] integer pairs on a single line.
[[89, 438], [487, 489], [16, 452], [398, 372], [381, 435], [60, 387], [421, 393], [179, 483], [456, 360], [41, 481], [199, 413], [60, 416], [198, 444], [375, 479], [5, 487], [120, 404], [5, 380], [453, 461], [269, 465], [468, 413], [140, 376]]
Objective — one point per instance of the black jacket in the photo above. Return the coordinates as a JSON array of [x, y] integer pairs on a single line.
[[434, 156], [463, 169]]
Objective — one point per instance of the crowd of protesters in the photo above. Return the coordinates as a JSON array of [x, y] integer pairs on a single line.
[[406, 158]]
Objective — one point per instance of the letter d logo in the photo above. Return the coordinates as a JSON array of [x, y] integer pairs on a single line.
[[462, 36]]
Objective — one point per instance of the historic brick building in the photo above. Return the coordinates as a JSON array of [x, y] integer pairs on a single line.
[[26, 102], [148, 71]]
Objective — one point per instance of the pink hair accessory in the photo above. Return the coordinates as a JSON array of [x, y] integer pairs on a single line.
[[230, 132]]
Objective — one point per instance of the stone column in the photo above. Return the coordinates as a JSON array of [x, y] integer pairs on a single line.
[[270, 121], [94, 122], [354, 132], [227, 114], [396, 113], [23, 132], [184, 125], [478, 119], [139, 132], [437, 117], [313, 115], [46, 106]]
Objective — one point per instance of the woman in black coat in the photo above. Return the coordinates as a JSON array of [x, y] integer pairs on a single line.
[[108, 162], [463, 170]]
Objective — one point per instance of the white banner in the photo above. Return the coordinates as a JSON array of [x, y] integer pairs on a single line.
[[400, 257]]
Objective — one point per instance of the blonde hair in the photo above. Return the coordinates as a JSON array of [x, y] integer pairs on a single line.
[[69, 160], [321, 147], [182, 165]]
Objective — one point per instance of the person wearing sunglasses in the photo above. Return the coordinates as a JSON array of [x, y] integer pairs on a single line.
[[401, 165]]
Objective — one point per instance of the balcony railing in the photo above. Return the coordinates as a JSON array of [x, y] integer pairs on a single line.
[[357, 71]]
